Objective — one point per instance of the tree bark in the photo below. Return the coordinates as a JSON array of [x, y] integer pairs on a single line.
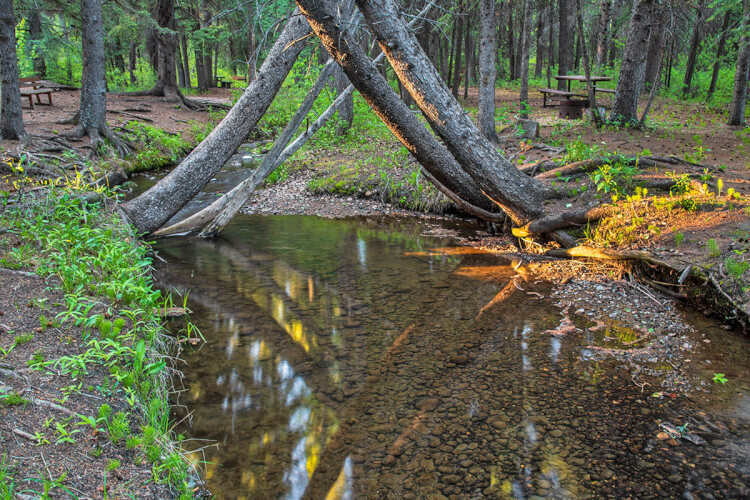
[[487, 70], [564, 43], [132, 61], [656, 45], [693, 53], [524, 97], [739, 96], [499, 179], [35, 28], [91, 116], [11, 114], [719, 54], [541, 29], [457, 58], [182, 37], [630, 81], [153, 208]]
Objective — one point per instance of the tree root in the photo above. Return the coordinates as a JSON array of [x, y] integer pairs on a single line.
[[551, 223], [122, 147]]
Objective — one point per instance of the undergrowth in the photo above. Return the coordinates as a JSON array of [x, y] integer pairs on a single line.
[[96, 256]]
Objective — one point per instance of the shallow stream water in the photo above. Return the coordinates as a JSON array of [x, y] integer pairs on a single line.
[[363, 358]]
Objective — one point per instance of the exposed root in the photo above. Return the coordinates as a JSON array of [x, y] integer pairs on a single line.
[[551, 223], [122, 147]]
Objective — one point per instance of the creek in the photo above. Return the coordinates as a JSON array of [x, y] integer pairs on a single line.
[[358, 358], [366, 358]]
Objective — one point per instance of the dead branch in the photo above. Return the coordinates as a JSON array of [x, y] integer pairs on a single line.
[[608, 254]]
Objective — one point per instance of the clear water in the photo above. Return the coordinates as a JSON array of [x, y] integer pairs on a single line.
[[364, 359]]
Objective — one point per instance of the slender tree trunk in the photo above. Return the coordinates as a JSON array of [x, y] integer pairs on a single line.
[[564, 43], [469, 47], [180, 67], [656, 45], [541, 27], [457, 58], [739, 97], [693, 53], [35, 28], [182, 38], [550, 43], [341, 82], [668, 74], [719, 55], [586, 66], [524, 98], [511, 46], [518, 195], [630, 81], [132, 61], [11, 114], [153, 208], [487, 71], [452, 51]]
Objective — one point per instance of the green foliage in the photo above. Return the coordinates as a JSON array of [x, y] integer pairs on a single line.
[[736, 268], [95, 255], [713, 248], [678, 239], [158, 147], [13, 399], [25, 52], [578, 151], [616, 178], [719, 378]]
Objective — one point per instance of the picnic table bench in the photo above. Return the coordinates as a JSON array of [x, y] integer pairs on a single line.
[[31, 87], [558, 93]]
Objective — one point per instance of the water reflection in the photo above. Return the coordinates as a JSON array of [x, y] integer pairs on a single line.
[[344, 360]]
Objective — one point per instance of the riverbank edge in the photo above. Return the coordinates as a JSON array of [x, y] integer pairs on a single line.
[[128, 315]]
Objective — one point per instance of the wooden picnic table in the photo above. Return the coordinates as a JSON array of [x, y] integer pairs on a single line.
[[31, 86], [582, 78]]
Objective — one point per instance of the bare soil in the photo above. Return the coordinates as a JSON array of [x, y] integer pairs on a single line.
[[35, 449]]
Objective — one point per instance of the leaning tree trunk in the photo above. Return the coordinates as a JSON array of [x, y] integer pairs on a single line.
[[630, 81], [11, 114], [719, 54], [739, 97], [564, 43], [487, 71], [91, 116], [153, 208], [519, 196], [389, 107]]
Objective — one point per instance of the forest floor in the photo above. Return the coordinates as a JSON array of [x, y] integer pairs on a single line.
[[706, 227]]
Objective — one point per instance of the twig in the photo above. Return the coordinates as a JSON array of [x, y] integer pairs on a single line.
[[24, 434]]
